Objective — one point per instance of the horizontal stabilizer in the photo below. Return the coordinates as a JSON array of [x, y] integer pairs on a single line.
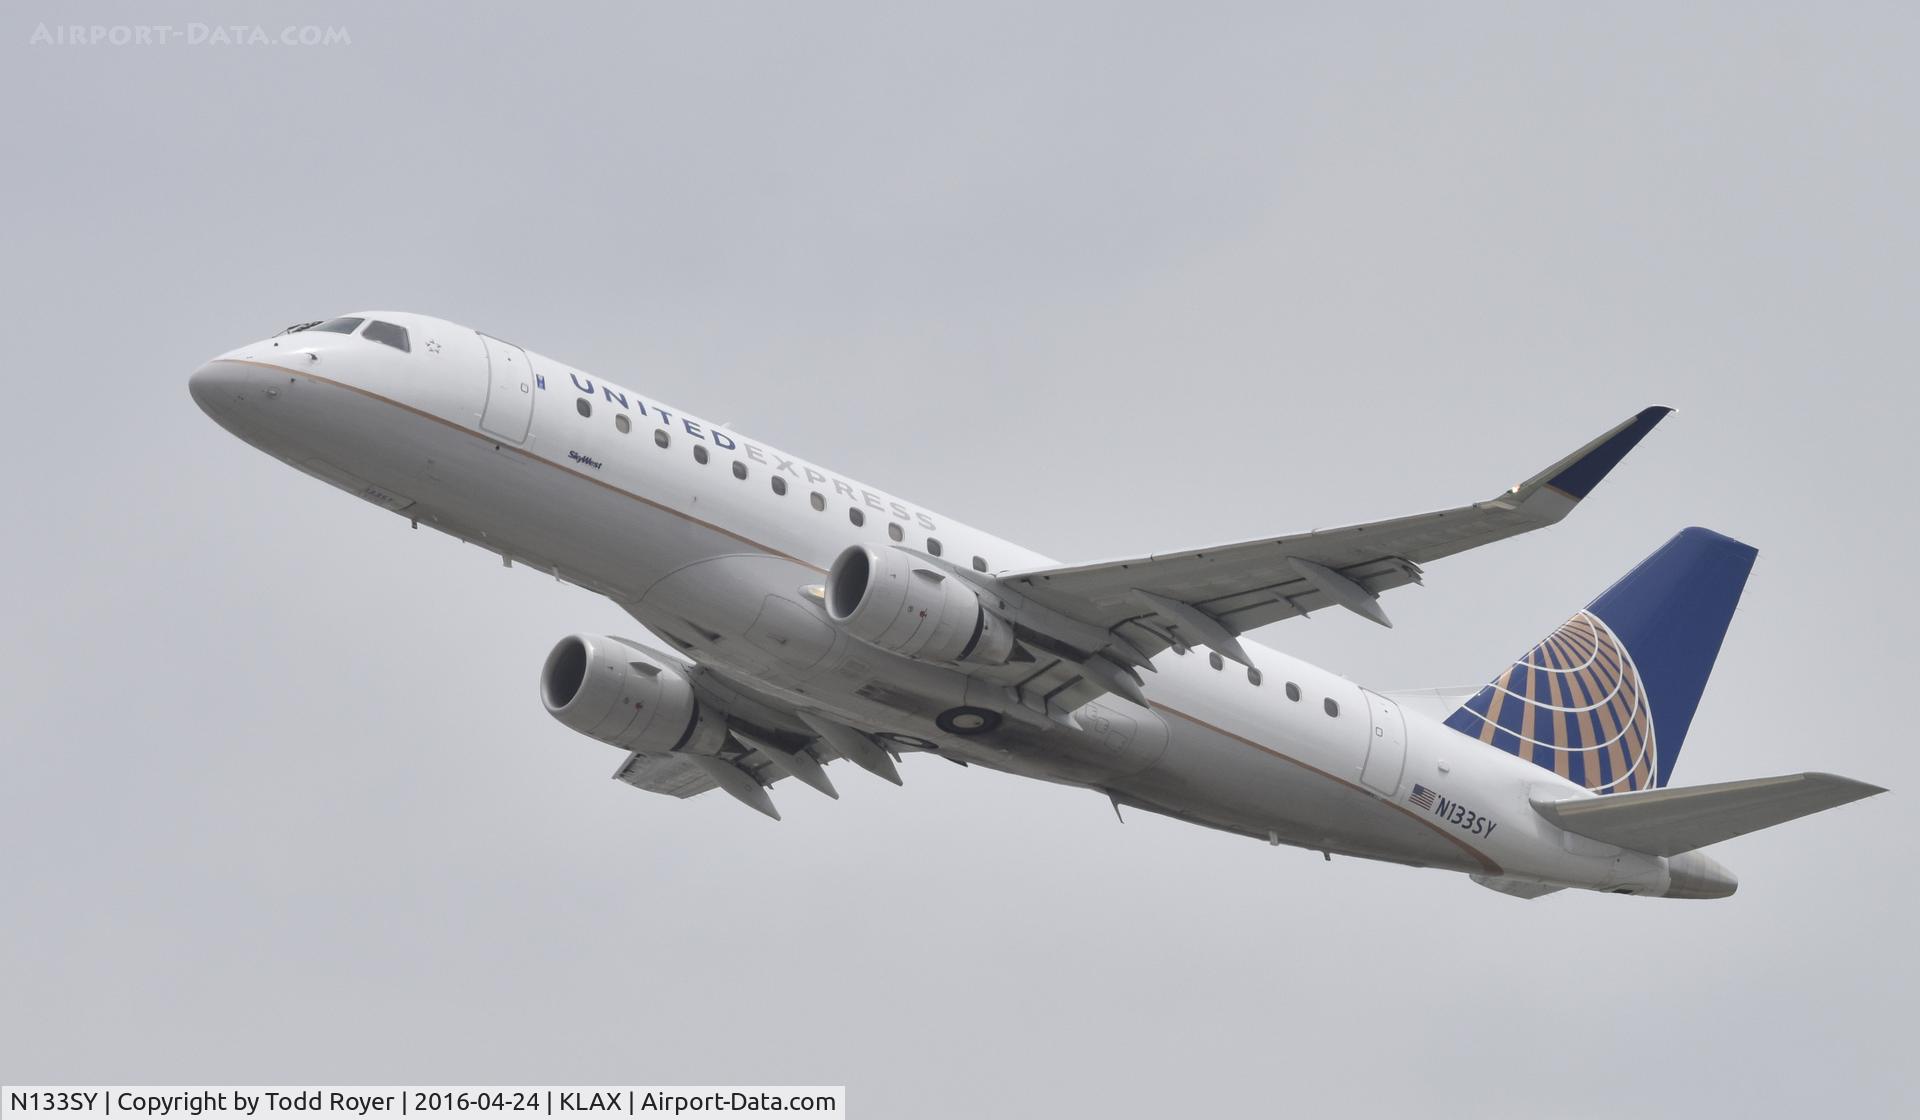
[[1666, 822]]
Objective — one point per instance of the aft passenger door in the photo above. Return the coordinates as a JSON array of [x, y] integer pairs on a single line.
[[509, 410], [1387, 746]]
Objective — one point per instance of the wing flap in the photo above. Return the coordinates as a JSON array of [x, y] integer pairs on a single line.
[[673, 775], [1667, 822]]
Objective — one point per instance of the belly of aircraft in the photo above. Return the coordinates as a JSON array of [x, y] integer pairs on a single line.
[[1228, 782]]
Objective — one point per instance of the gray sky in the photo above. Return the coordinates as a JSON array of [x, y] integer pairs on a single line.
[[281, 803]]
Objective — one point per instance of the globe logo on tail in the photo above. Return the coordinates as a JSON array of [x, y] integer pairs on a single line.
[[1574, 704]]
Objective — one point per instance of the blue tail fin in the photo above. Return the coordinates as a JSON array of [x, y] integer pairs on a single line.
[[1606, 699]]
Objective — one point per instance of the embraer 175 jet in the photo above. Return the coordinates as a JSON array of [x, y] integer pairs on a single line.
[[803, 617]]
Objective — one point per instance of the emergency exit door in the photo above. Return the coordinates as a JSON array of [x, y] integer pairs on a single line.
[[509, 410], [1387, 748]]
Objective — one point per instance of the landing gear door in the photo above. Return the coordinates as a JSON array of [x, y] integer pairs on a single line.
[[509, 409], [1387, 748]]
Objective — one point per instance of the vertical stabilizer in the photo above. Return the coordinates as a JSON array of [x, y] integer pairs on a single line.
[[1606, 699]]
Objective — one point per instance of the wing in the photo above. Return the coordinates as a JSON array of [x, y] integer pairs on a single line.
[[1233, 588], [1139, 607]]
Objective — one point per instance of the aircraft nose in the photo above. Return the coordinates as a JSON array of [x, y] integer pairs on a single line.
[[215, 386], [206, 387]]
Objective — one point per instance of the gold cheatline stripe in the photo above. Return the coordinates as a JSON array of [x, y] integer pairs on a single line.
[[504, 445], [1479, 857]]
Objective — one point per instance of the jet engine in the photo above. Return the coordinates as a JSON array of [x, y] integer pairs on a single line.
[[889, 599], [620, 693]]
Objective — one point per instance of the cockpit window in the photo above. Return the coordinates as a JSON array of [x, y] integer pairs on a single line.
[[393, 336], [346, 325]]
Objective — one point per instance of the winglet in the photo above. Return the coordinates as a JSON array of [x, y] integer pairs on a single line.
[[1576, 475]]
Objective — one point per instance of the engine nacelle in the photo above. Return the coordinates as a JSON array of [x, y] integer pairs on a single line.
[[619, 693], [888, 599]]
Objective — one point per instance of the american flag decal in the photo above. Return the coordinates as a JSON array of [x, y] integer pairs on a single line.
[[1422, 796]]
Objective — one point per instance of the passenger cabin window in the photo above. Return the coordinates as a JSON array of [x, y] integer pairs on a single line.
[[817, 501], [583, 406], [1216, 661], [1293, 692], [1332, 708], [700, 453], [1253, 677], [661, 438], [933, 546], [857, 517], [893, 531], [392, 335], [739, 470], [621, 422], [345, 325], [979, 564], [779, 485]]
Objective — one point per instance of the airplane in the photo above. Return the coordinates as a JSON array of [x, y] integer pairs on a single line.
[[797, 617]]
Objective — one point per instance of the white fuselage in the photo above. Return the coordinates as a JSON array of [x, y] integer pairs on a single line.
[[491, 444]]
